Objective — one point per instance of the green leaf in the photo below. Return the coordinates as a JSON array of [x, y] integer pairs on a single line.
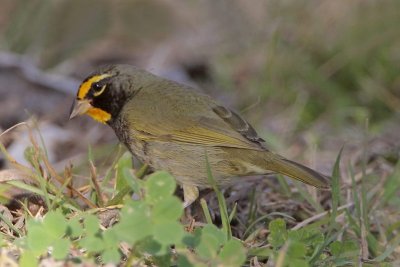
[[135, 231], [163, 259], [208, 247], [183, 261], [55, 224], [60, 249], [125, 162], [110, 238], [38, 240], [298, 263], [28, 259], [260, 252], [211, 229], [92, 224], [92, 244], [168, 233], [150, 246], [42, 235], [190, 240], [310, 237], [135, 222], [111, 255], [170, 209], [233, 253], [278, 233], [159, 186], [74, 228], [338, 248], [296, 250]]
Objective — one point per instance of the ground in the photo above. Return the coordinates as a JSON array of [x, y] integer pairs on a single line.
[[313, 78]]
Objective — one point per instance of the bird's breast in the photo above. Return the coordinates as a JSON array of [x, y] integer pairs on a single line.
[[131, 139]]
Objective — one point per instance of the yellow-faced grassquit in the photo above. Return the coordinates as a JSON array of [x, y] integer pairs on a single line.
[[172, 127]]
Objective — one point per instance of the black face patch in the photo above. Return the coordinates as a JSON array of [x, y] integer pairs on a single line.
[[105, 96]]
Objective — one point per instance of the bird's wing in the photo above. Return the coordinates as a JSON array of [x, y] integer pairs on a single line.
[[238, 124], [192, 119]]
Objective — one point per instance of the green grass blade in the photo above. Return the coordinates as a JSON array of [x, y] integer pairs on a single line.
[[221, 202], [394, 244], [284, 185], [308, 197], [9, 224], [335, 190], [252, 210], [233, 212], [206, 212], [39, 192]]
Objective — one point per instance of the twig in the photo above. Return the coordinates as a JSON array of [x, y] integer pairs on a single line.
[[13, 127], [320, 215], [282, 255]]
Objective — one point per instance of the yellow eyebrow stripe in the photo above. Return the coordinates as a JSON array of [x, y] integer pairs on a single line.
[[85, 86]]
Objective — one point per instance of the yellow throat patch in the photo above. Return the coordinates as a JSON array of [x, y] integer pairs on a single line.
[[99, 115]]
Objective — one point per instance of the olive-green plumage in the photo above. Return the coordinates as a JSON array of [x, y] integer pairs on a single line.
[[173, 127]]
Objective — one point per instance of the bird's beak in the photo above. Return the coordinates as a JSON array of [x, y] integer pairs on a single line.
[[79, 107]]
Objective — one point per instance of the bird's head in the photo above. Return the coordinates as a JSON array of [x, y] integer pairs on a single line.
[[103, 93]]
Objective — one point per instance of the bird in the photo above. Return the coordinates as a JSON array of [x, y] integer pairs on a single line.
[[175, 128]]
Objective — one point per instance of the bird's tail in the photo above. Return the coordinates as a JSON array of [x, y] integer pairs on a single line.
[[299, 172]]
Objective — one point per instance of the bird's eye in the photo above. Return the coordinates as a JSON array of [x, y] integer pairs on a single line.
[[98, 88]]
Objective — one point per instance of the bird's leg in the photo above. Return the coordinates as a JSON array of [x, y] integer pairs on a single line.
[[190, 194], [142, 171]]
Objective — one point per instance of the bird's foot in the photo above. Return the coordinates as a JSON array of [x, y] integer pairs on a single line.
[[190, 194]]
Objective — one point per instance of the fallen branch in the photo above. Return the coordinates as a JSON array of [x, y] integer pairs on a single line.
[[35, 75]]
